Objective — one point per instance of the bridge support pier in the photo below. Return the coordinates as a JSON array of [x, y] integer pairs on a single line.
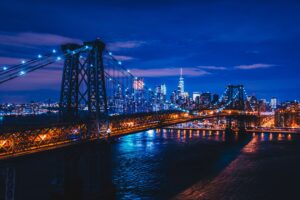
[[87, 172], [228, 130], [7, 182], [241, 125]]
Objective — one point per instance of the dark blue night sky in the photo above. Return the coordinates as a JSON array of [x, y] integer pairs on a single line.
[[255, 43]]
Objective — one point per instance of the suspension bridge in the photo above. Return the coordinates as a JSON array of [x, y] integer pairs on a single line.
[[101, 98]]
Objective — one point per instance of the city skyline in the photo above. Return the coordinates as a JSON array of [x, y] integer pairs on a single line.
[[255, 45], [138, 84], [149, 99]]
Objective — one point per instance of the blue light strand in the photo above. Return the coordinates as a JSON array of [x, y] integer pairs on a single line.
[[249, 101], [23, 62]]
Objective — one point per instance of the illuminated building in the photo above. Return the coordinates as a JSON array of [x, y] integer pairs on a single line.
[[174, 97], [273, 103], [288, 116], [262, 106], [205, 98], [195, 95], [163, 89], [181, 84], [215, 98], [138, 83], [159, 100]]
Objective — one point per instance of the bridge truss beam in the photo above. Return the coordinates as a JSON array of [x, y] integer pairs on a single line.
[[13, 143]]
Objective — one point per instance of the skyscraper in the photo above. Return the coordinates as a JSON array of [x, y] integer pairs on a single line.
[[273, 103], [215, 98], [195, 95], [163, 89], [181, 84], [205, 98], [138, 83]]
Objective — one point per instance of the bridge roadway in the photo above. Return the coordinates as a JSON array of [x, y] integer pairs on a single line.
[[18, 141], [27, 140]]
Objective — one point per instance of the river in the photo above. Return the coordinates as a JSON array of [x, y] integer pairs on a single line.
[[157, 164]]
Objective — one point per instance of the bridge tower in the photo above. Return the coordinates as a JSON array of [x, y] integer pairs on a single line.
[[235, 97], [83, 91]]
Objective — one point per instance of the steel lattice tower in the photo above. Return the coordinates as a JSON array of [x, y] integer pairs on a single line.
[[70, 84], [83, 91], [235, 95]]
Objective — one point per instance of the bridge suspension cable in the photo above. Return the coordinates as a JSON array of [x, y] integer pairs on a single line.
[[221, 98], [251, 106], [11, 72], [24, 63]]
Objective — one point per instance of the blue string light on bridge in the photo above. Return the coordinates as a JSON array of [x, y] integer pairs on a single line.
[[41, 60], [252, 107]]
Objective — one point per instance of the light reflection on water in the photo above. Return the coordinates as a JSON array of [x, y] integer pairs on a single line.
[[143, 158], [267, 137], [252, 146], [142, 161]]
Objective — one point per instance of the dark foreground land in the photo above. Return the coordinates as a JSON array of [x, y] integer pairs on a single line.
[[161, 165]]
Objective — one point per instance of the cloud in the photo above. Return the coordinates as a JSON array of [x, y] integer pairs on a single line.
[[254, 66], [9, 60], [164, 72], [48, 78], [29, 39], [115, 46], [212, 67], [123, 58]]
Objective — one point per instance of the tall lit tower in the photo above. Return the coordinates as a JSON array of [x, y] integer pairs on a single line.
[[273, 103], [163, 88], [181, 83]]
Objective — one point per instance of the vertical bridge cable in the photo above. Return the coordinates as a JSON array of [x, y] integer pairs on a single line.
[[127, 82]]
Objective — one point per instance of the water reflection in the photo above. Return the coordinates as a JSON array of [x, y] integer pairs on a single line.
[[186, 135], [252, 146], [267, 137]]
